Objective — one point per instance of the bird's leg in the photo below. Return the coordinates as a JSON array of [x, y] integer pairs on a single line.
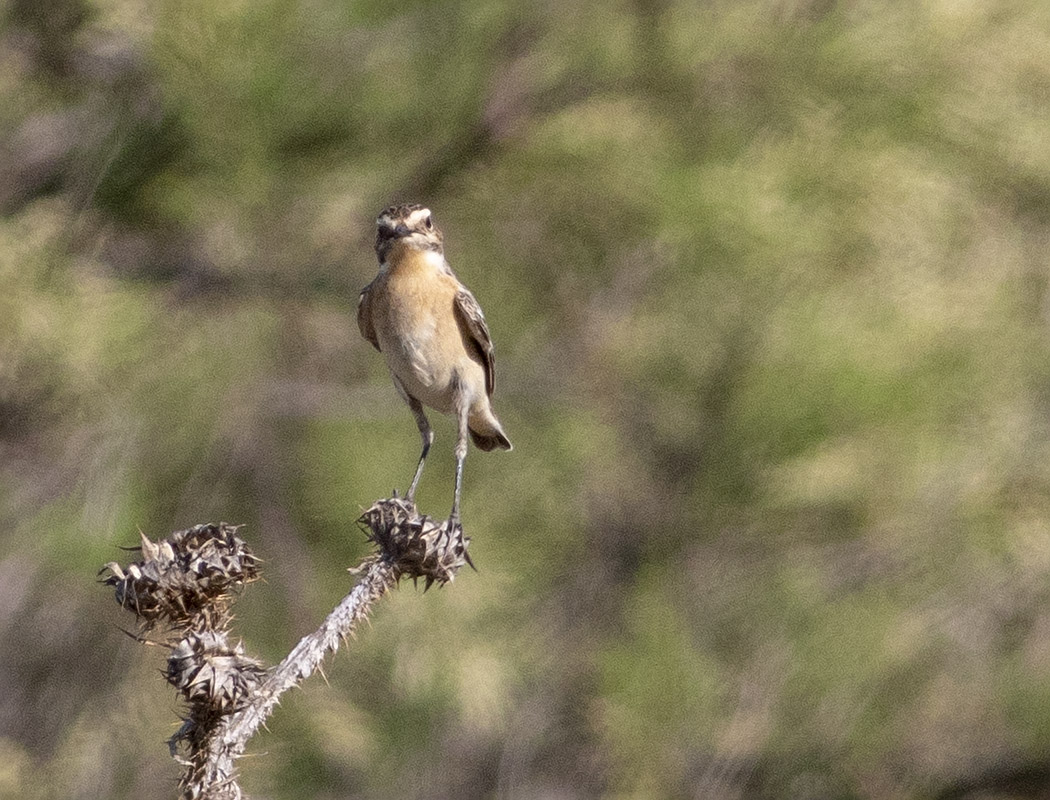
[[461, 455], [428, 439]]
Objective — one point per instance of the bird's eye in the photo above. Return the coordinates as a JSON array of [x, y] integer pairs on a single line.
[[428, 224]]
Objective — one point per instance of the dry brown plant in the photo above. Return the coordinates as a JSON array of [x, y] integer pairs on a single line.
[[184, 585]]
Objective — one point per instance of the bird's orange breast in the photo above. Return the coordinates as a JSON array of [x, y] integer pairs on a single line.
[[415, 321], [419, 293]]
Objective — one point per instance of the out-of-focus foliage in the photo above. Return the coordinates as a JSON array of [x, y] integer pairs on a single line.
[[768, 285]]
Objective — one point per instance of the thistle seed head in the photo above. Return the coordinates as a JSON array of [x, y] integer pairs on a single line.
[[185, 579], [207, 670], [415, 546]]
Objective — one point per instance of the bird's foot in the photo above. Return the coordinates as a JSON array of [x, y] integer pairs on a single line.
[[452, 531], [409, 499]]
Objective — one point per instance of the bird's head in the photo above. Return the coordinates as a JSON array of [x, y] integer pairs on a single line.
[[411, 224]]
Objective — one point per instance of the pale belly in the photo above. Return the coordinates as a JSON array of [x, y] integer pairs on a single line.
[[425, 354], [422, 341]]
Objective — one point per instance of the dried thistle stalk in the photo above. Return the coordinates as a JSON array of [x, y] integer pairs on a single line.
[[187, 581]]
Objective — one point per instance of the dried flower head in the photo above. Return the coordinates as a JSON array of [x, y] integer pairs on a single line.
[[415, 545], [187, 578], [207, 669]]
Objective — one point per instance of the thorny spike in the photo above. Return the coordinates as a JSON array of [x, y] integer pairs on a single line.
[[148, 548]]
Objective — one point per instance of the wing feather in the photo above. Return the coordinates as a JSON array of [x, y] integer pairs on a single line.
[[476, 334], [364, 316]]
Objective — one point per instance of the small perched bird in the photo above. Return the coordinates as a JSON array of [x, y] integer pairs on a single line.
[[432, 332]]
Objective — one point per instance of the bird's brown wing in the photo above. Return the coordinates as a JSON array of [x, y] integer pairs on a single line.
[[364, 316], [476, 334]]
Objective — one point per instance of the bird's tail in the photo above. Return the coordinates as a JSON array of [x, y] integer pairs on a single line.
[[491, 439]]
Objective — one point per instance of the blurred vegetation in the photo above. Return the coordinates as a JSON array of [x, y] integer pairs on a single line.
[[768, 285]]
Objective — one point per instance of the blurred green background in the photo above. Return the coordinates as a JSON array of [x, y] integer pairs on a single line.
[[768, 282]]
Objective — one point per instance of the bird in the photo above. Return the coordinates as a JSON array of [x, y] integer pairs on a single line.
[[433, 336]]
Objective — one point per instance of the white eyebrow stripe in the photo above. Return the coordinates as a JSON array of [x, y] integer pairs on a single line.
[[418, 215]]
